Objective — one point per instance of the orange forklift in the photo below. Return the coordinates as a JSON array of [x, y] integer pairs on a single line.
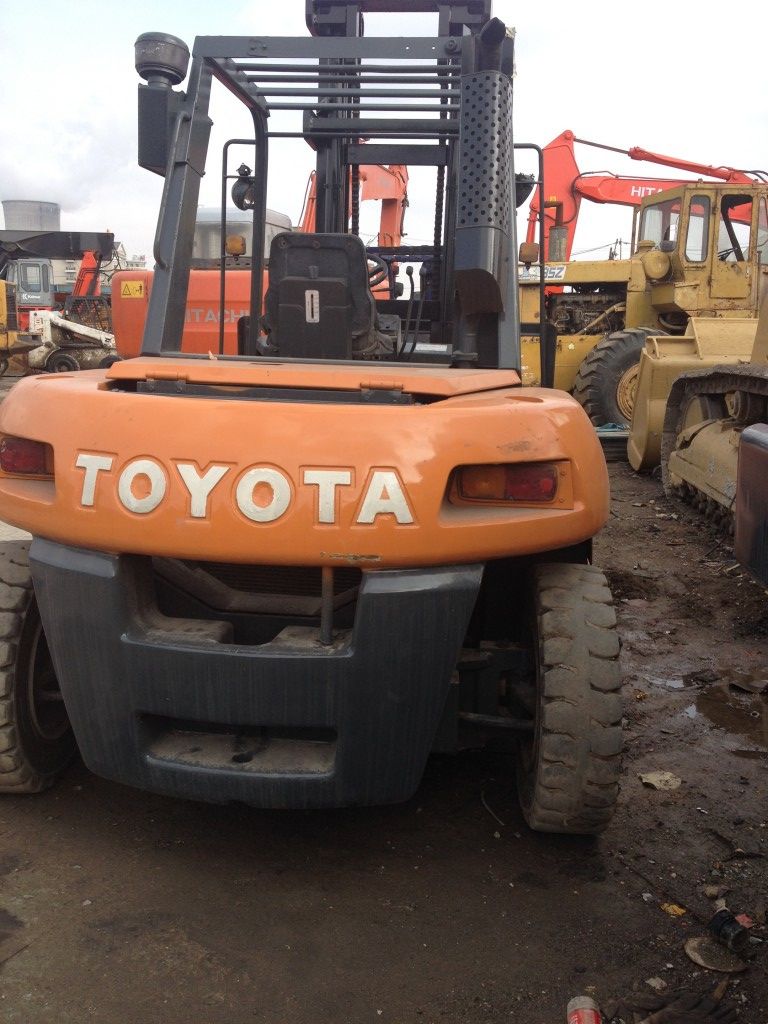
[[284, 576]]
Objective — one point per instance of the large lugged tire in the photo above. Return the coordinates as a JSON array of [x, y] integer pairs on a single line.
[[36, 741], [606, 383], [568, 772]]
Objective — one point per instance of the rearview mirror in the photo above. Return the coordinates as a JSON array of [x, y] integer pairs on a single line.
[[529, 253]]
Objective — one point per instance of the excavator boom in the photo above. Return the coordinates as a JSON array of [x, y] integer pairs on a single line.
[[565, 186]]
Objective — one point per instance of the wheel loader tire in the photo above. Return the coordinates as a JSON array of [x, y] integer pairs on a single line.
[[36, 740], [568, 770], [607, 379]]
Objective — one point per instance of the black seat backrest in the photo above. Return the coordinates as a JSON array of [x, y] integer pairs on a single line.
[[318, 304]]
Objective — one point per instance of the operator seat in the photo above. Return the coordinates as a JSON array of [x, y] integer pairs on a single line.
[[319, 304]]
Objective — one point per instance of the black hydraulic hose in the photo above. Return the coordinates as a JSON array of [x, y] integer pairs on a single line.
[[408, 311], [419, 311]]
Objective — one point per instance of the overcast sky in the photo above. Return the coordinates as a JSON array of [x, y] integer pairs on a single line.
[[674, 77]]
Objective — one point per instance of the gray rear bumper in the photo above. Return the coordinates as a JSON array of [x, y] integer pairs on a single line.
[[288, 723]]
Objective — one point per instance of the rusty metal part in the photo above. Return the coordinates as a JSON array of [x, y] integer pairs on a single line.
[[706, 343], [699, 456], [626, 390]]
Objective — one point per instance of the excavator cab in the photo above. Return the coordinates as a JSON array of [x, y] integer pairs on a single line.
[[358, 539]]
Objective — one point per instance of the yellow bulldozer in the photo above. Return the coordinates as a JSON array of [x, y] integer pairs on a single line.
[[710, 428], [698, 255]]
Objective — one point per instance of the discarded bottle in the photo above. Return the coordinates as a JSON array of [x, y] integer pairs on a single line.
[[727, 930], [583, 1010]]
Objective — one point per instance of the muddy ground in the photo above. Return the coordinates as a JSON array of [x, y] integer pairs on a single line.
[[126, 907]]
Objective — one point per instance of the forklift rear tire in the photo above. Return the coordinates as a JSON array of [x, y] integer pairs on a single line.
[[568, 771], [606, 383], [36, 739]]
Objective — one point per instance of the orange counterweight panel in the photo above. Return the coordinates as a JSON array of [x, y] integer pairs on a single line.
[[298, 482]]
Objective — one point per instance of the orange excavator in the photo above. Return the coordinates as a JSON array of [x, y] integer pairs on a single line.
[[131, 290], [566, 185]]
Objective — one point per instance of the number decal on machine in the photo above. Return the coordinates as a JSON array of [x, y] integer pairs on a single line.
[[312, 305]]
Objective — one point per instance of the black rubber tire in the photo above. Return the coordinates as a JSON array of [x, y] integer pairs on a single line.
[[597, 382], [32, 755], [108, 361], [61, 362], [568, 771]]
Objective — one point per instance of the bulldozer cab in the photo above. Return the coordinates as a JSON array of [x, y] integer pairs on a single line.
[[442, 103], [703, 247]]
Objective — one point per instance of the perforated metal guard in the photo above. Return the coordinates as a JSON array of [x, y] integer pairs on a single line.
[[485, 150]]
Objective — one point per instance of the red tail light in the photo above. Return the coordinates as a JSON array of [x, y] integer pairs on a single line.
[[526, 482], [22, 457]]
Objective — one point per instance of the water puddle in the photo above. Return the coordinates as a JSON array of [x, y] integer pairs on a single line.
[[741, 714]]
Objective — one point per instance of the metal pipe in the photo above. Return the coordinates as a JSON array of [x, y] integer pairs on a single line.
[[372, 94], [354, 132], [326, 606], [366, 78], [379, 69], [329, 107], [497, 721]]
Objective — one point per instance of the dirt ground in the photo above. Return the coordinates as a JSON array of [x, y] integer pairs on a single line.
[[119, 906]]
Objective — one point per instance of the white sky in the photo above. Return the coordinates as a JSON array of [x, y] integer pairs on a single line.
[[673, 76]]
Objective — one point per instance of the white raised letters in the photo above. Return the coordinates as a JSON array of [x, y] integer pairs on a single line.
[[385, 495], [265, 479], [92, 464], [263, 494], [200, 487], [154, 475], [326, 481]]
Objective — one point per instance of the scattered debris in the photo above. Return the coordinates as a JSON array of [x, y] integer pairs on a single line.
[[715, 892], [707, 953], [657, 984], [673, 909], [701, 675], [673, 1008], [730, 932], [492, 813], [660, 780], [737, 851], [12, 947], [583, 1010], [746, 681]]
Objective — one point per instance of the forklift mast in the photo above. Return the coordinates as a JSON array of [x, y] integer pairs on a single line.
[[443, 102]]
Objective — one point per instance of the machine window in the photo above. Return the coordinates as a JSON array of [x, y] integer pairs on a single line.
[[30, 277], [658, 223], [735, 228], [762, 232], [697, 235]]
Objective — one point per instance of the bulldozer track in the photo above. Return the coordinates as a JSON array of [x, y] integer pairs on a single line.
[[717, 380]]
